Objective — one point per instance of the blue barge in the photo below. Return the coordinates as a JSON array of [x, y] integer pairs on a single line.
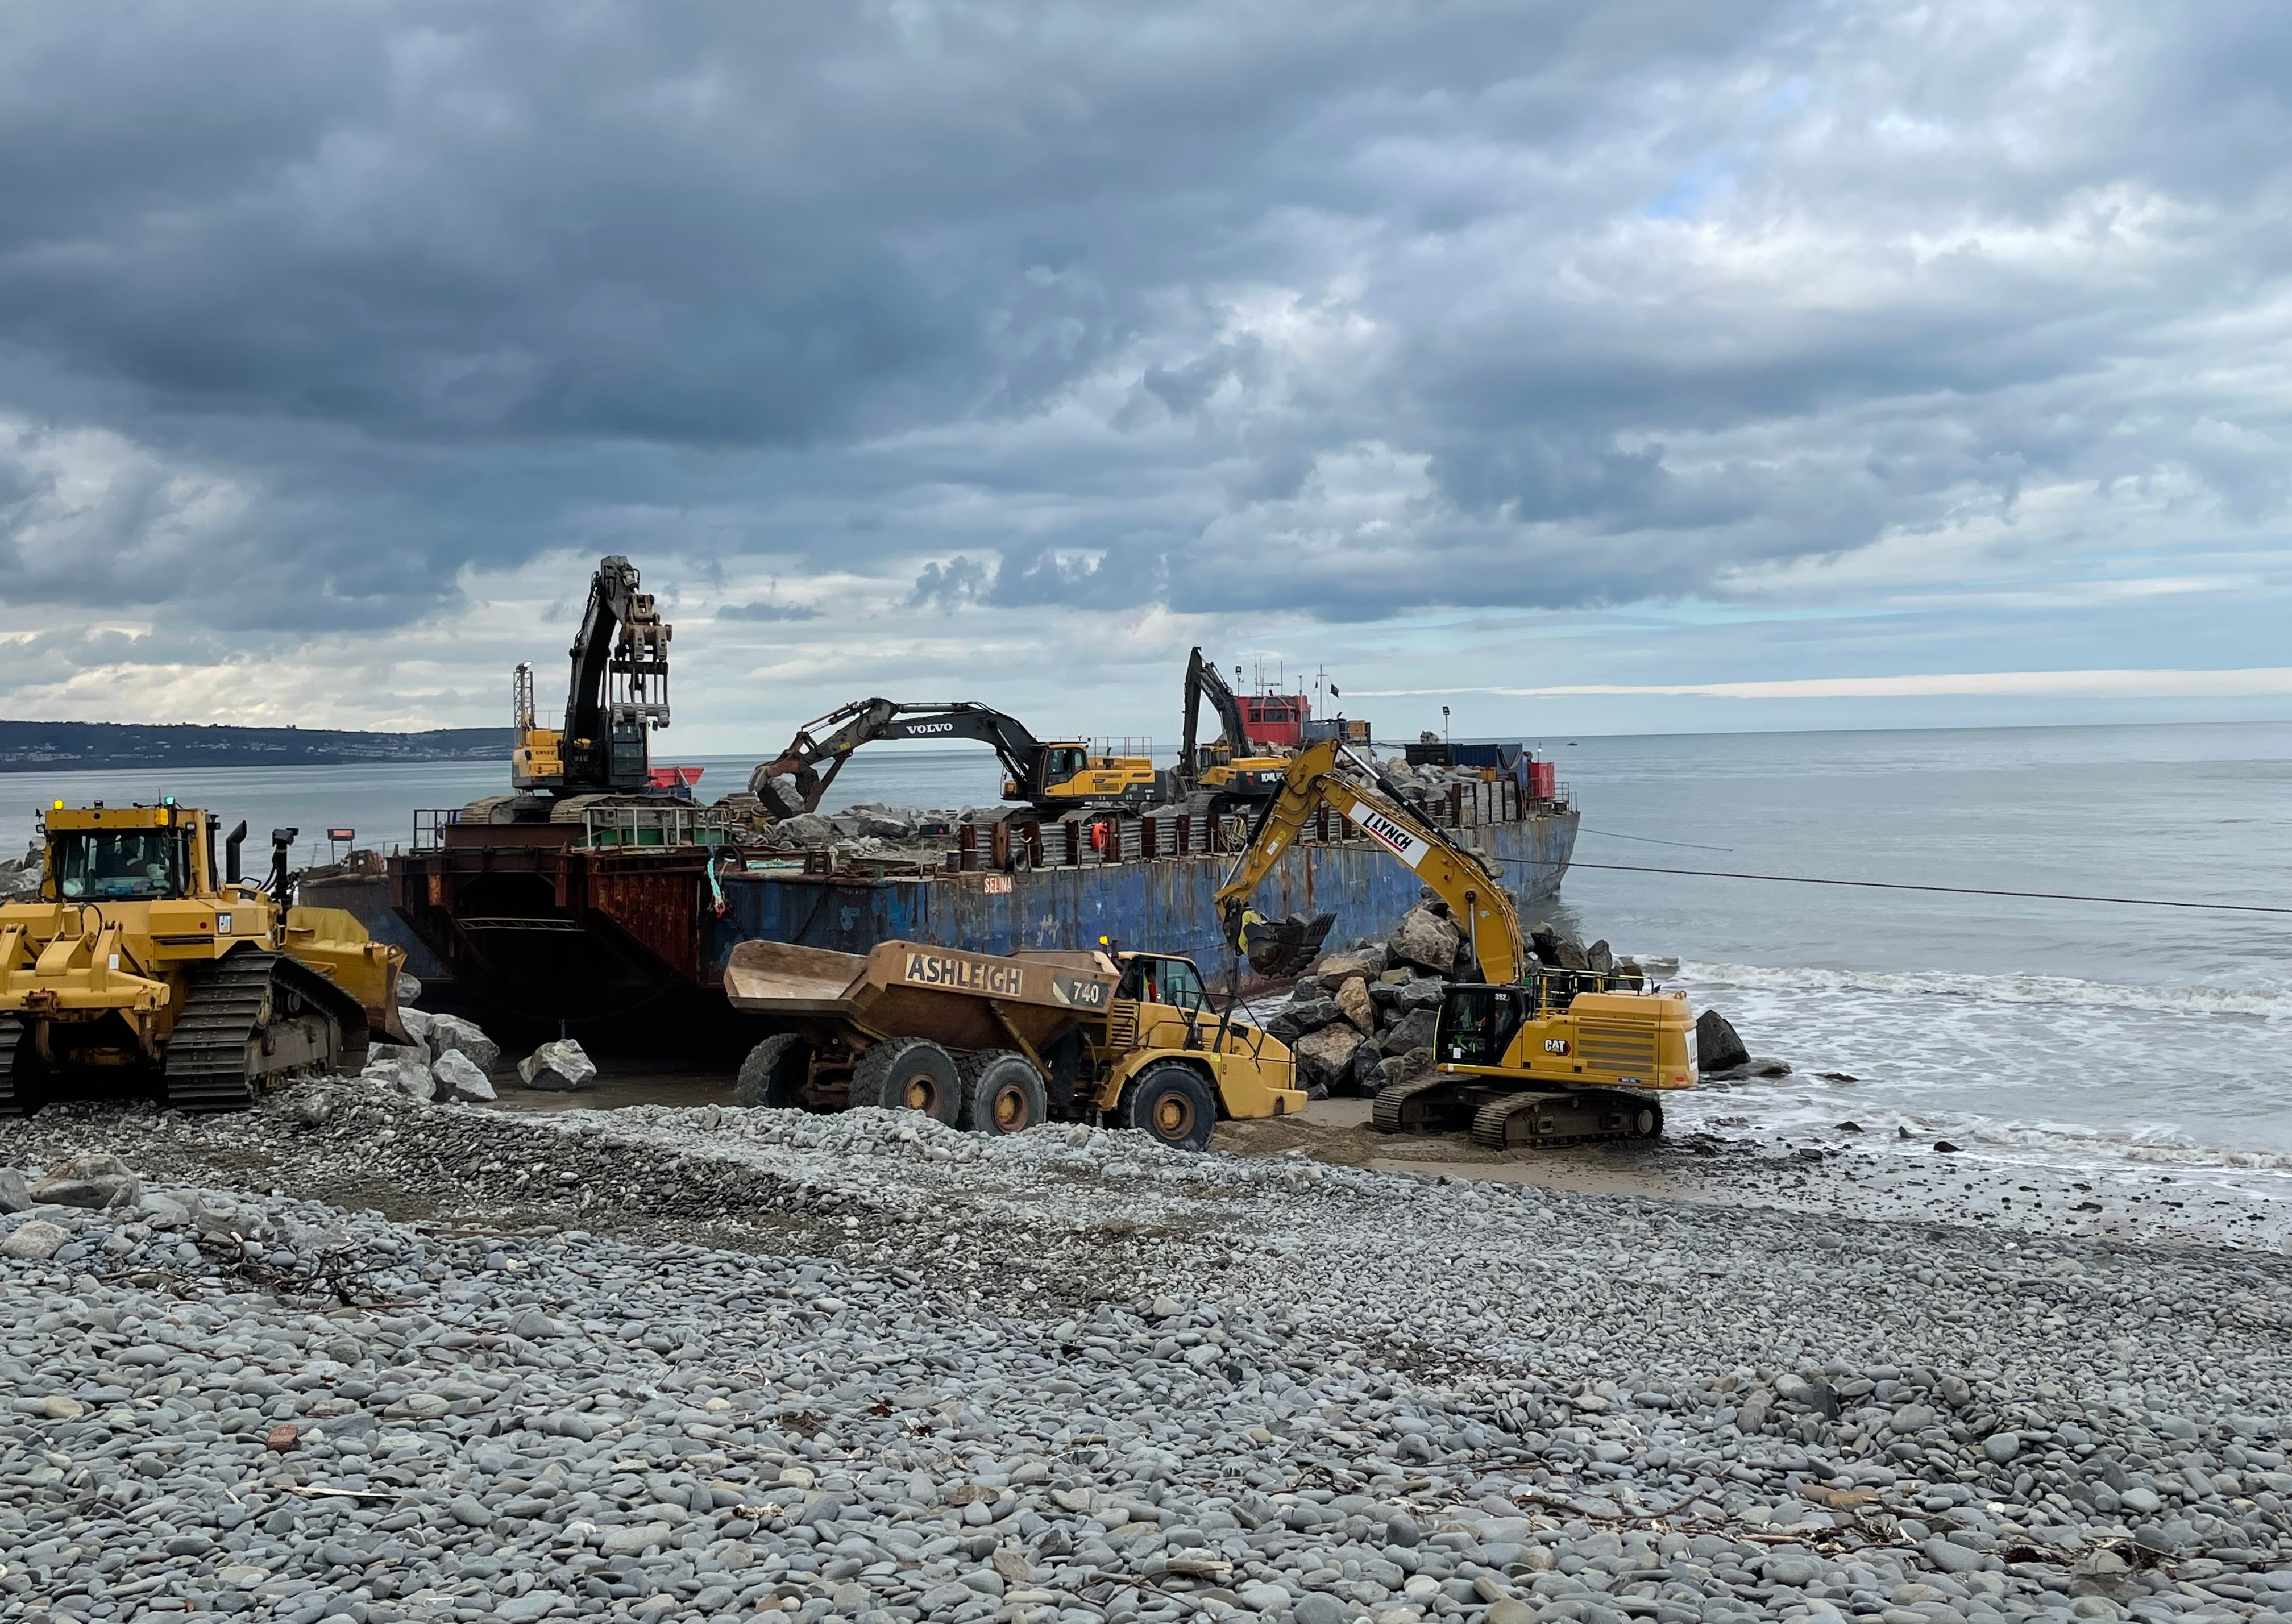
[[547, 922]]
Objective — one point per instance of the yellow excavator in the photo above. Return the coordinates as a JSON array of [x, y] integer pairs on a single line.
[[1533, 1056], [1053, 776], [138, 964]]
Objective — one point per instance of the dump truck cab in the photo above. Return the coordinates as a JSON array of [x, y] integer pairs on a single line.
[[143, 923]]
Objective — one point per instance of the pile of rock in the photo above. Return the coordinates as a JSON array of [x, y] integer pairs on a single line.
[[449, 1058], [1363, 1018]]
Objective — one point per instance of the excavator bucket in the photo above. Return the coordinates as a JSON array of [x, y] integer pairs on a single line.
[[1284, 947]]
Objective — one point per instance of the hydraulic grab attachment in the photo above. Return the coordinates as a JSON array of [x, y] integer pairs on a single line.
[[619, 694], [1532, 1056]]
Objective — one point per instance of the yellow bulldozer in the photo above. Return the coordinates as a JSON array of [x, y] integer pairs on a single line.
[[147, 960], [1533, 1056]]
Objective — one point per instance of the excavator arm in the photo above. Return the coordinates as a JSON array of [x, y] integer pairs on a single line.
[[832, 738], [619, 685], [1202, 679], [1328, 774]]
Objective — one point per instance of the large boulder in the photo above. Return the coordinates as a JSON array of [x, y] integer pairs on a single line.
[[1600, 956], [95, 1179], [1424, 994], [1426, 941], [1717, 1048], [15, 1194], [806, 828], [1368, 960], [452, 1035], [1354, 1004], [1560, 951], [409, 990], [1413, 1030], [1326, 1055], [404, 1071], [1302, 1017], [456, 1074], [884, 822], [558, 1067], [1405, 1067], [419, 1023]]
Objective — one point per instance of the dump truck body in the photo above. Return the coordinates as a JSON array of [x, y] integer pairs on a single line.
[[1000, 1042]]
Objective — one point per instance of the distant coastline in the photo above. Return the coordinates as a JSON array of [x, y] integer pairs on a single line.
[[58, 746]]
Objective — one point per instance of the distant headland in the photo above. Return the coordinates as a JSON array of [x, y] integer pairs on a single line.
[[53, 747]]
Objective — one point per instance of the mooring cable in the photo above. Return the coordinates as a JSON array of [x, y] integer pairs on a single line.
[[1956, 891], [1685, 846]]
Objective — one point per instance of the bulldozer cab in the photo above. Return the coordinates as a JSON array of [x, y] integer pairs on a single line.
[[124, 855], [105, 865]]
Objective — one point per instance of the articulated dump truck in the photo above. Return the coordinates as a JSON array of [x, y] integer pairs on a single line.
[[997, 1043], [141, 968]]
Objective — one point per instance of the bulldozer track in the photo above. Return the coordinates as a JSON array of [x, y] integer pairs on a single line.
[[215, 1053], [11, 1034]]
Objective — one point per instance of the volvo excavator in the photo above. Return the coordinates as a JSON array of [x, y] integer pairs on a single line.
[[1532, 1056], [1058, 775], [1234, 770], [139, 965]]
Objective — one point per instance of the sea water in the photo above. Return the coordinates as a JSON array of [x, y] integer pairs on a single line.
[[2068, 1033], [2051, 1031]]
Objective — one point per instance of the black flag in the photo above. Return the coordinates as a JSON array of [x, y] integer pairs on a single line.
[[1333, 692]]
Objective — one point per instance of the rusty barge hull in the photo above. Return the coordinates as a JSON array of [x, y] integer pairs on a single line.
[[548, 934]]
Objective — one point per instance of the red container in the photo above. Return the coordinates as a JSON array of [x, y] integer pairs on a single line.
[[1544, 779]]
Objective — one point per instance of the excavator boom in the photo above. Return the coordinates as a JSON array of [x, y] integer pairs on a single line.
[[1328, 774]]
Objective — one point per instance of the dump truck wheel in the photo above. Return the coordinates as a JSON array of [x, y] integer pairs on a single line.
[[1004, 1093], [774, 1073], [909, 1074], [1172, 1102]]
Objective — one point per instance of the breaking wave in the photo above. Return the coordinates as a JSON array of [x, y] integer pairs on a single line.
[[2267, 1003]]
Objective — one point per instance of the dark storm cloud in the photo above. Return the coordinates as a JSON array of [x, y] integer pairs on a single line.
[[1348, 308]]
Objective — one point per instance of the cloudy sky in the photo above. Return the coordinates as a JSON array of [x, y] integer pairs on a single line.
[[1769, 364]]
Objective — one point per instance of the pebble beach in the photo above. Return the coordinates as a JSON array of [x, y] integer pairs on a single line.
[[352, 1357]]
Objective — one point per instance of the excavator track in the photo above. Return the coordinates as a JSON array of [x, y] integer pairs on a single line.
[[11, 1036], [1565, 1117], [1426, 1105], [252, 1020]]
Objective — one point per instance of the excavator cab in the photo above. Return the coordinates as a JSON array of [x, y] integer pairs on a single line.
[[1477, 1024]]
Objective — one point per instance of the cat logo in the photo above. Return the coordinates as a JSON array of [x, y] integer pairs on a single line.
[[1555, 1046]]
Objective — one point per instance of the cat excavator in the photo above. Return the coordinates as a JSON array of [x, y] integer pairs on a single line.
[[1058, 775], [140, 965], [1532, 1056]]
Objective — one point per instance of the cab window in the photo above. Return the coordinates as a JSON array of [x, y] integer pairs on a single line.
[[1164, 980], [101, 864], [1477, 1024], [1062, 764]]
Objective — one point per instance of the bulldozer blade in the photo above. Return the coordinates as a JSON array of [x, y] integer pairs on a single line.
[[1284, 947]]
